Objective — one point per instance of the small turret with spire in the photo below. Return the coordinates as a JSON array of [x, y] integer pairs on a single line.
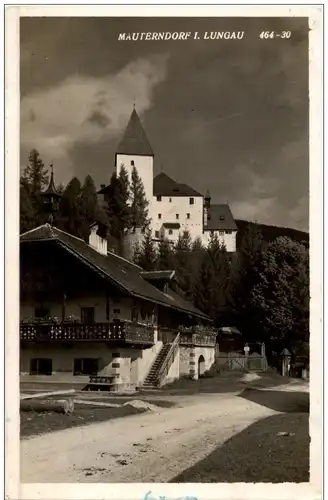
[[51, 197]]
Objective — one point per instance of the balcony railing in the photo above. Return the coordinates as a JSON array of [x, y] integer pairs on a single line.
[[198, 336], [126, 332]]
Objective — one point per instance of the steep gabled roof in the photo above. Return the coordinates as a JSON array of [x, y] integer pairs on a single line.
[[134, 141], [220, 218], [165, 186], [123, 273]]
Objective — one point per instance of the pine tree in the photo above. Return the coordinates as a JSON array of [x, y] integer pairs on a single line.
[[244, 273], [33, 180], [69, 216], [146, 257], [118, 211], [35, 174], [183, 266], [88, 206], [125, 184], [202, 285], [139, 202], [165, 255]]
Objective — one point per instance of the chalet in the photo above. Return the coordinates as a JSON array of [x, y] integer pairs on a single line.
[[85, 312]]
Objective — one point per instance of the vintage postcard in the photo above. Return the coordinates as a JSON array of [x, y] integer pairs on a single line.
[[164, 190]]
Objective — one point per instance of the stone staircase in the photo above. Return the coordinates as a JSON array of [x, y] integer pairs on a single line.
[[152, 380]]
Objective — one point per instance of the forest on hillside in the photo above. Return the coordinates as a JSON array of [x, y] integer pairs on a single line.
[[262, 289]]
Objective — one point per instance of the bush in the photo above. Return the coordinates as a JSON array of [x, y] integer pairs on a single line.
[[214, 371]]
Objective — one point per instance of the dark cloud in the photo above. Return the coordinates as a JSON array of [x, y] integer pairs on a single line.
[[231, 116]]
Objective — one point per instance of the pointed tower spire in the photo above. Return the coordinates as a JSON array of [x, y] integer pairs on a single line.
[[51, 197], [51, 189], [134, 141]]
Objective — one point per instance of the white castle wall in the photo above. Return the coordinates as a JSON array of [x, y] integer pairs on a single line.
[[171, 207]]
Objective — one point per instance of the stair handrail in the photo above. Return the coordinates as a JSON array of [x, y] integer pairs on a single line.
[[171, 353]]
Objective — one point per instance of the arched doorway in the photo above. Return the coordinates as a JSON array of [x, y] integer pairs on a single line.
[[201, 366]]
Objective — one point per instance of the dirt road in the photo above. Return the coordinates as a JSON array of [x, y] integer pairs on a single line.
[[152, 447]]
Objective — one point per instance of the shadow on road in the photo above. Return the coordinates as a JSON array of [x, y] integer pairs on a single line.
[[220, 384], [258, 454], [283, 401]]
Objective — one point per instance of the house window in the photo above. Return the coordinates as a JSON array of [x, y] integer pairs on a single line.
[[117, 311], [221, 233], [177, 216], [41, 366], [188, 216], [159, 198], [87, 315], [132, 163], [191, 201], [170, 231], [229, 232], [170, 200], [185, 234], [159, 216], [41, 312], [221, 217], [156, 234], [85, 366]]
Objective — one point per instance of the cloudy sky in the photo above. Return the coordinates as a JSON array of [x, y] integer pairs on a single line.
[[231, 116]]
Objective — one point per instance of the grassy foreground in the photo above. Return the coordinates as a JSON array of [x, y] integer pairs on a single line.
[[32, 423]]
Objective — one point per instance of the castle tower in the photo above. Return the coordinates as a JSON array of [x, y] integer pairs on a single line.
[[135, 150]]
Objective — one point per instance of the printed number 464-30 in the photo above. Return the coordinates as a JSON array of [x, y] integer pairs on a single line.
[[273, 34]]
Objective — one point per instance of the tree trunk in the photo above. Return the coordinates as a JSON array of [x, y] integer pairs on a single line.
[[39, 405]]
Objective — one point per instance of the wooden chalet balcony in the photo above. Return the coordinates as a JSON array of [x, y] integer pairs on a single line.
[[72, 332]]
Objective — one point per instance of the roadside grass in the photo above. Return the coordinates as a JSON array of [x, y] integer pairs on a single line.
[[33, 423], [258, 454]]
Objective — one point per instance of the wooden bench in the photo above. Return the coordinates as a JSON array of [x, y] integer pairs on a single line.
[[100, 382]]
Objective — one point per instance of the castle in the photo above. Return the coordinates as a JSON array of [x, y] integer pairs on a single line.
[[174, 208]]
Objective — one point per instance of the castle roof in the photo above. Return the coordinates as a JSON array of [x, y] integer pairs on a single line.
[[220, 218], [165, 186], [134, 141]]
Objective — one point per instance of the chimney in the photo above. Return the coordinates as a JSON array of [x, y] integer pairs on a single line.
[[98, 237]]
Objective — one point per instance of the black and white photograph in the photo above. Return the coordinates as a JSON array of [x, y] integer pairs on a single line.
[[164, 250]]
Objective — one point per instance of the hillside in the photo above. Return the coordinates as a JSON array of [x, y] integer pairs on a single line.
[[270, 233]]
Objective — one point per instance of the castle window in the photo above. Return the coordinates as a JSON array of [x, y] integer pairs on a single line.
[[132, 163], [170, 200], [191, 201], [185, 234], [156, 234], [221, 233], [170, 231], [188, 216], [159, 198], [177, 216], [159, 216], [229, 232]]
